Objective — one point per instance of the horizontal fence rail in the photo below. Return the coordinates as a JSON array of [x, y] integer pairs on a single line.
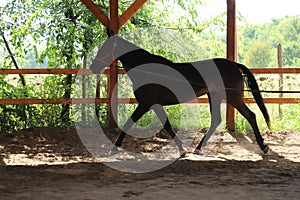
[[122, 71], [128, 100]]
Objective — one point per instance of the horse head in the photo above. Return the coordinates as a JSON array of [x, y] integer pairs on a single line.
[[111, 50]]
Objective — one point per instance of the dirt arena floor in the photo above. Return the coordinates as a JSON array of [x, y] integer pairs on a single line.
[[52, 163]]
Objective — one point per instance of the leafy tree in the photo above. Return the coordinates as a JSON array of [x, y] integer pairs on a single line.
[[64, 34], [289, 28], [258, 55], [284, 31]]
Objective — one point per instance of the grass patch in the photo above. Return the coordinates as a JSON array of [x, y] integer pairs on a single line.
[[197, 116], [289, 120]]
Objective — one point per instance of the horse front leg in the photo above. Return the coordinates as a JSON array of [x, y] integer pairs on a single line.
[[162, 115], [136, 115]]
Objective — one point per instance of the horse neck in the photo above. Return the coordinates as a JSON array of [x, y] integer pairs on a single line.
[[132, 56], [132, 59], [123, 47]]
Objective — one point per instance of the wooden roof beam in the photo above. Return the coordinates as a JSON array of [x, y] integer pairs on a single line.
[[99, 14], [133, 8]]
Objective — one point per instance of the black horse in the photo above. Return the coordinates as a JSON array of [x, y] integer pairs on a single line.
[[154, 79]]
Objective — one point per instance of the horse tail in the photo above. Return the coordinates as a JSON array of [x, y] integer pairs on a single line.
[[252, 84]]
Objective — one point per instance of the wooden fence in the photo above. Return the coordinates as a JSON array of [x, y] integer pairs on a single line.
[[130, 100]]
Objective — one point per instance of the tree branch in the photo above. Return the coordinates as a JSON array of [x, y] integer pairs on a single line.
[[13, 60]]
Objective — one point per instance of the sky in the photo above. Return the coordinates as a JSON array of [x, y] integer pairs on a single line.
[[255, 11]]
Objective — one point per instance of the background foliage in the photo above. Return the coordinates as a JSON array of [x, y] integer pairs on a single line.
[[64, 34]]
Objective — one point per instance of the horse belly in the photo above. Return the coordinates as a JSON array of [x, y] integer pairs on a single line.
[[156, 94]]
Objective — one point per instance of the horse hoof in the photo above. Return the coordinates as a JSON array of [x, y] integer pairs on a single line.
[[197, 151], [266, 149], [182, 153], [114, 150]]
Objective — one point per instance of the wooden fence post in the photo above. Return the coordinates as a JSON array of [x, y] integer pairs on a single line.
[[231, 54], [279, 57], [113, 23], [113, 75]]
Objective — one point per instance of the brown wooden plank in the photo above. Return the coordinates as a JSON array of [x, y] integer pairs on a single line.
[[114, 16], [275, 70], [122, 71], [130, 101], [231, 54], [276, 100], [280, 82], [54, 71], [44, 71], [113, 96], [80, 101], [133, 8], [99, 14], [113, 74], [54, 101]]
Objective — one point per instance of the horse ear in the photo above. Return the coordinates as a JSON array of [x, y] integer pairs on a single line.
[[110, 32]]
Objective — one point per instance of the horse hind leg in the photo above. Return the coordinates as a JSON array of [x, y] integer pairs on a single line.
[[251, 118], [162, 115], [215, 111]]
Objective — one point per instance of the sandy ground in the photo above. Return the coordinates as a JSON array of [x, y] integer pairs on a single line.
[[52, 163]]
